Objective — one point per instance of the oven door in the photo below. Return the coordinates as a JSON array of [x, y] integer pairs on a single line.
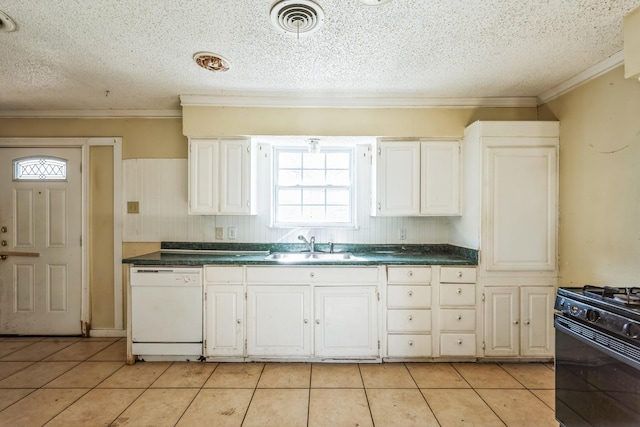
[[597, 377]]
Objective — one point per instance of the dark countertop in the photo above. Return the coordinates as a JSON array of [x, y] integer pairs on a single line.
[[190, 253]]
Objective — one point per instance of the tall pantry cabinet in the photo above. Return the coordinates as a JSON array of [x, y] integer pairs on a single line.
[[510, 179]]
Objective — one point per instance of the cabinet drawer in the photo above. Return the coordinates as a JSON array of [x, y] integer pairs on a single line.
[[409, 296], [457, 294], [278, 275], [223, 275], [409, 320], [458, 344], [409, 275], [408, 345], [457, 320], [458, 275]]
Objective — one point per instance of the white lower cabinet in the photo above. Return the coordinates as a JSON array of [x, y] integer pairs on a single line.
[[409, 312], [279, 320], [224, 311], [346, 321], [519, 321]]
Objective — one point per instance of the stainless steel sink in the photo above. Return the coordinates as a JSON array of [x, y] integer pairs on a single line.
[[311, 256]]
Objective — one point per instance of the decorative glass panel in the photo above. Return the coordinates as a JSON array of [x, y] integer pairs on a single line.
[[40, 169]]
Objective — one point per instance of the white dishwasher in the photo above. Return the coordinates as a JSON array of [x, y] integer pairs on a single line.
[[166, 311]]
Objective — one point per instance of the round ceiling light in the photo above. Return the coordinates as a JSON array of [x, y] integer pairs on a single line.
[[211, 61], [6, 23], [297, 17]]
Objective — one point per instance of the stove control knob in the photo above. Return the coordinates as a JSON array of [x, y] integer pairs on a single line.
[[593, 316], [632, 330]]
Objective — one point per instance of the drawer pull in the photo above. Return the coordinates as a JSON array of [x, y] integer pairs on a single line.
[[410, 317], [410, 343], [410, 273], [526, 322], [459, 316], [410, 293], [317, 321], [515, 322], [459, 342], [459, 291], [238, 321], [459, 274], [312, 274], [306, 320]]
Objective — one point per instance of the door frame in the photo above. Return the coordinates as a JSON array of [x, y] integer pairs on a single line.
[[84, 144]]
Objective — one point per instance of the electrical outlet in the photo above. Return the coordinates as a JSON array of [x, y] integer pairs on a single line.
[[233, 233], [403, 234], [133, 207], [219, 233]]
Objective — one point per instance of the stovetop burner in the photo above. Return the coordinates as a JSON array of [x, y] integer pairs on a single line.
[[628, 297]]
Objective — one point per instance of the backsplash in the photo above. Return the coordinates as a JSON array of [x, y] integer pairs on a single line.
[[160, 187]]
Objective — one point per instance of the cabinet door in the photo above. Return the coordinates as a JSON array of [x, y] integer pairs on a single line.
[[536, 310], [279, 320], [203, 176], [502, 329], [235, 177], [521, 208], [224, 320], [346, 322], [440, 178], [398, 178]]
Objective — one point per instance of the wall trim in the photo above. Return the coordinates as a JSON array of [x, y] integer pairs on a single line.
[[591, 73], [108, 333], [345, 100], [90, 114]]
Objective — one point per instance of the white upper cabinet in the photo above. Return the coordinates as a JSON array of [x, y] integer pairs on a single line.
[[413, 178], [440, 178], [221, 177]]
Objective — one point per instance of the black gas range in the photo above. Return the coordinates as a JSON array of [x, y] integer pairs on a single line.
[[598, 356]]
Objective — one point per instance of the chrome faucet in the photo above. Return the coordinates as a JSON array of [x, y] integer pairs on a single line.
[[311, 243]]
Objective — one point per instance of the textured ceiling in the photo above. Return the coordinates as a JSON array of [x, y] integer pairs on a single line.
[[137, 54]]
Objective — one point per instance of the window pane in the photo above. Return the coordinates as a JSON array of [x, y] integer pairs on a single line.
[[338, 177], [289, 213], [338, 160], [313, 197], [290, 197], [313, 213], [40, 169], [290, 160], [313, 177], [338, 213], [289, 177], [313, 160], [338, 197]]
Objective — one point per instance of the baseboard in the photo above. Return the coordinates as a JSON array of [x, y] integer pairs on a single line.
[[108, 333]]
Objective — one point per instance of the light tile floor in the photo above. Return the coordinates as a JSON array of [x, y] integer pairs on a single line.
[[85, 382]]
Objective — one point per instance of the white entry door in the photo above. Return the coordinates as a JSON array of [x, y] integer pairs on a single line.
[[40, 238]]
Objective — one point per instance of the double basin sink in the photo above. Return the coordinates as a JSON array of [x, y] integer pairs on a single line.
[[311, 256]]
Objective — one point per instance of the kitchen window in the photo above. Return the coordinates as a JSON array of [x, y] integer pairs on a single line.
[[313, 189]]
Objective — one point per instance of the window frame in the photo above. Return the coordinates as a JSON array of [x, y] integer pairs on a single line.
[[350, 149]]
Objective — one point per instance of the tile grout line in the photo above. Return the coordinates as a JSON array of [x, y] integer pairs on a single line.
[[422, 394], [255, 387], [366, 395]]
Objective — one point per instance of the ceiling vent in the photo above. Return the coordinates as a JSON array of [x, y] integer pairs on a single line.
[[297, 17], [6, 23]]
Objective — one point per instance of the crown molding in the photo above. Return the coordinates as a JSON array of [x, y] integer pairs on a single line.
[[289, 100], [591, 73], [90, 114]]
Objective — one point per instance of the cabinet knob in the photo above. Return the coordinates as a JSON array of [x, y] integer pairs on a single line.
[[410, 293], [306, 320], [459, 274], [459, 290], [410, 273], [312, 274], [410, 343], [526, 322], [515, 322], [4, 243], [459, 342], [317, 321], [379, 206], [459, 316], [238, 321], [3, 229], [410, 317]]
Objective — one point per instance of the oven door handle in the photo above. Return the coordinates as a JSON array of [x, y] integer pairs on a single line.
[[563, 324]]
